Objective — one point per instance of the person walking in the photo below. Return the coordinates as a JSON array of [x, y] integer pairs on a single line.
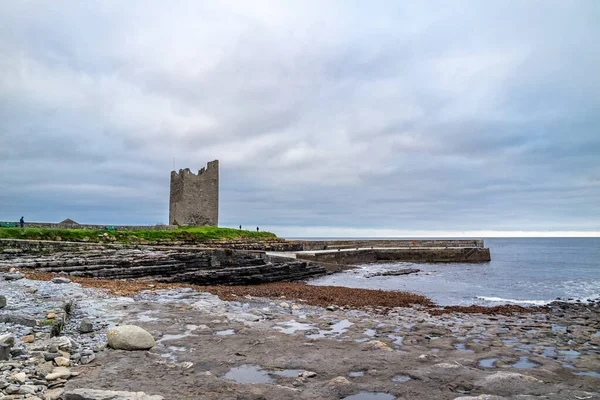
[[22, 222]]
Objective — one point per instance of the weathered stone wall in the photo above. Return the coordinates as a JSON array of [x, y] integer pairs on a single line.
[[194, 198], [348, 244]]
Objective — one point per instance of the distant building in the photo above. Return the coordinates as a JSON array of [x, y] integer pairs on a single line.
[[195, 198]]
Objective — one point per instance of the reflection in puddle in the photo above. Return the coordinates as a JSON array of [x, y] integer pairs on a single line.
[[287, 373], [336, 329], [569, 354], [462, 347], [524, 363], [226, 332], [593, 374], [487, 362], [356, 373], [397, 340], [401, 378], [292, 326], [549, 352], [370, 396], [248, 374]]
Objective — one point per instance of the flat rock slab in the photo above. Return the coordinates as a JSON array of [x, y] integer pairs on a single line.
[[92, 394]]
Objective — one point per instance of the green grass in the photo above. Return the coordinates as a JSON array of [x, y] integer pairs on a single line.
[[187, 234]]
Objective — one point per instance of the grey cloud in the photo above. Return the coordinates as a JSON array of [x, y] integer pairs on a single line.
[[394, 116]]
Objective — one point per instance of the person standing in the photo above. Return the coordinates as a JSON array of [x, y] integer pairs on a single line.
[[240, 227], [22, 222], [257, 229]]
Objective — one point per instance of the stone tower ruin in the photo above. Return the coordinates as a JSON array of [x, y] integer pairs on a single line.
[[195, 198]]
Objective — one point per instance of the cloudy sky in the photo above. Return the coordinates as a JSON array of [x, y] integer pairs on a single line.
[[328, 117]]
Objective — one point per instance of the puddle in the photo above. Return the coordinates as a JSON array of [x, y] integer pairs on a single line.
[[569, 354], [593, 374], [177, 348], [336, 329], [524, 363], [248, 374], [531, 331], [559, 328], [597, 333], [397, 340], [435, 350], [487, 362], [549, 352], [510, 341], [292, 326], [462, 347], [226, 332], [401, 378], [147, 318], [287, 373], [370, 396], [569, 366], [356, 373], [370, 332]]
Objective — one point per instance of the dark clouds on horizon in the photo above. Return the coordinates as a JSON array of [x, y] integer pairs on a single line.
[[340, 114]]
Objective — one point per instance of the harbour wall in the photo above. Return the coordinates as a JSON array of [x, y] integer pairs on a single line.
[[416, 254]]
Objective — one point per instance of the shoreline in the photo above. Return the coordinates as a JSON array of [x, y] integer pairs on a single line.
[[252, 347]]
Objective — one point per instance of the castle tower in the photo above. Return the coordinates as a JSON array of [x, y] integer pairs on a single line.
[[195, 198]]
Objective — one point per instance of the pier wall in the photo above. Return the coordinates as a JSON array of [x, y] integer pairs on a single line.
[[367, 256], [309, 245]]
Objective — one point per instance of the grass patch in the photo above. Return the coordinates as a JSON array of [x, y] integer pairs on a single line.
[[187, 234]]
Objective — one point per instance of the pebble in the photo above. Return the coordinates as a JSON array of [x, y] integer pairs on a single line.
[[59, 373], [2, 301], [62, 361], [28, 339], [51, 315]]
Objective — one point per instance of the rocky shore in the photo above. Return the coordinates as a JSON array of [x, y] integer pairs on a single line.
[[322, 343]]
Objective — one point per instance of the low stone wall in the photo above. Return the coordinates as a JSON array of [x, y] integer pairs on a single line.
[[367, 256], [309, 245], [50, 225]]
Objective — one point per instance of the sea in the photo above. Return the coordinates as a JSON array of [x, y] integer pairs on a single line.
[[524, 271]]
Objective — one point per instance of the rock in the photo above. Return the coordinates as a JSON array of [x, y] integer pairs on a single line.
[[59, 373], [307, 374], [86, 326], [18, 319], [404, 271], [4, 352], [129, 337], [53, 394], [12, 389], [28, 389], [481, 397], [62, 361], [86, 359], [92, 394], [51, 356], [13, 276], [51, 315], [20, 377], [295, 307], [378, 345], [284, 304], [507, 383], [2, 301], [60, 280], [339, 380], [28, 339], [7, 339]]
